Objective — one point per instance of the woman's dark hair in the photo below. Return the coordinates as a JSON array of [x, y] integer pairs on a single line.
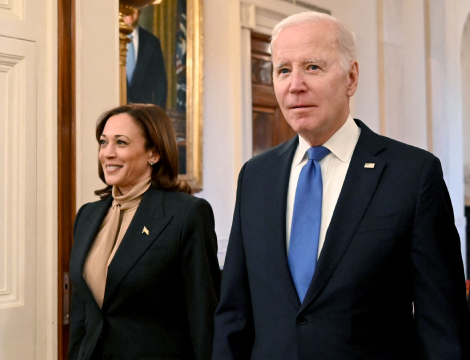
[[159, 135]]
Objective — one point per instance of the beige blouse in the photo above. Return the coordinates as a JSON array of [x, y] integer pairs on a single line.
[[109, 237]]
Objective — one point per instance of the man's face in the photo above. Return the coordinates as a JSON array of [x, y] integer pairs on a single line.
[[132, 20], [311, 87]]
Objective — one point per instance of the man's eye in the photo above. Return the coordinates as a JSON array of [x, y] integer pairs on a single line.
[[283, 71], [313, 67]]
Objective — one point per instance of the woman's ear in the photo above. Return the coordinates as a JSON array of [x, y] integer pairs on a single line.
[[154, 157]]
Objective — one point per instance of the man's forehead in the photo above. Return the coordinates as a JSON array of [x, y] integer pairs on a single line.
[[307, 32], [308, 46]]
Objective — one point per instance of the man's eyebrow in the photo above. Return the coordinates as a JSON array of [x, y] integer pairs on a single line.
[[314, 61], [309, 61], [277, 67]]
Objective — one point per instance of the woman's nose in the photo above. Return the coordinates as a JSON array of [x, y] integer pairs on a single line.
[[110, 151]]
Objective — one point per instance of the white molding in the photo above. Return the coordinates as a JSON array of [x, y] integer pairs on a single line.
[[18, 303], [276, 6], [12, 9], [247, 107], [46, 210], [13, 134], [28, 37], [247, 16]]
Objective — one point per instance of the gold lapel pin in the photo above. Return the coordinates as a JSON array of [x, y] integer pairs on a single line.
[[369, 165], [146, 231]]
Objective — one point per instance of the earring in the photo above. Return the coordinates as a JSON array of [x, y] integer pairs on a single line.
[[151, 163]]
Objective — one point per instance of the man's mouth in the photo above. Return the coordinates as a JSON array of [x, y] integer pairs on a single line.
[[302, 106]]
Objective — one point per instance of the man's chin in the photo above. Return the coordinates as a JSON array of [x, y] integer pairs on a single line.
[[303, 126]]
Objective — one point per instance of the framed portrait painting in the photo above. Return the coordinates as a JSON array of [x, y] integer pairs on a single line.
[[165, 67]]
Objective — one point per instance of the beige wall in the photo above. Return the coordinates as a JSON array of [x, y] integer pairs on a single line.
[[97, 84]]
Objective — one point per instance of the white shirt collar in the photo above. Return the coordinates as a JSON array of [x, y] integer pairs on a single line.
[[135, 32], [341, 144]]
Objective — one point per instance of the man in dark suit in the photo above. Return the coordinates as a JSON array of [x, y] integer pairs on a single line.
[[343, 244], [146, 76]]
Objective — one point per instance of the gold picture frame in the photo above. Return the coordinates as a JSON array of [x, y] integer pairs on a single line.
[[194, 97], [190, 133]]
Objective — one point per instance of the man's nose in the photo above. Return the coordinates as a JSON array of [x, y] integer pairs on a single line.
[[297, 83]]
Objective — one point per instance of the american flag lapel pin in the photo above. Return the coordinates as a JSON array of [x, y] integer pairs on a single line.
[[369, 165]]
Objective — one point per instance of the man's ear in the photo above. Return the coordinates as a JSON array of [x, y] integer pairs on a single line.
[[353, 77]]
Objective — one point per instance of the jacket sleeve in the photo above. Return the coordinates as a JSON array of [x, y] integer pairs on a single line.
[[77, 311], [442, 318], [201, 275], [234, 330]]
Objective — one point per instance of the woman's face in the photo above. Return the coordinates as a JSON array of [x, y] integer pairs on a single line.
[[122, 155]]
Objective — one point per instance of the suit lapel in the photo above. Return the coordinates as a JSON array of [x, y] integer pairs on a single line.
[[150, 214], [358, 187], [276, 203], [85, 236]]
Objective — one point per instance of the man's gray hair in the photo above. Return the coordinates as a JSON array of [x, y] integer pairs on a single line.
[[346, 42]]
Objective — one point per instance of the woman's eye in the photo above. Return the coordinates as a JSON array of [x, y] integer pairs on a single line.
[[102, 142], [120, 142]]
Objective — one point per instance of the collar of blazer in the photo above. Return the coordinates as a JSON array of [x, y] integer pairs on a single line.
[[150, 213], [358, 188]]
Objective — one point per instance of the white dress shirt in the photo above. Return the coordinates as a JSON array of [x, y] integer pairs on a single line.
[[135, 41], [334, 167]]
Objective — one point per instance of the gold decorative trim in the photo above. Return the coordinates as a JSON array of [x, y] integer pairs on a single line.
[[124, 30], [194, 96]]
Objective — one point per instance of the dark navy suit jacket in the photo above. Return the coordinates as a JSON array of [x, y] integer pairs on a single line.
[[391, 243], [161, 290], [149, 84]]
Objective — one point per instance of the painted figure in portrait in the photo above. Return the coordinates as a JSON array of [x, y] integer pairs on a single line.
[[156, 63]]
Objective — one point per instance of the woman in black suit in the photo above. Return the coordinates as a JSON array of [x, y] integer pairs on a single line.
[[144, 264]]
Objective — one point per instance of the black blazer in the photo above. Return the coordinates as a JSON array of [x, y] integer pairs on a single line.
[[161, 290], [391, 242], [149, 84]]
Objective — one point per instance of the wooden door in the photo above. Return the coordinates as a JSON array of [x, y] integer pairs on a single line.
[[269, 126], [66, 166]]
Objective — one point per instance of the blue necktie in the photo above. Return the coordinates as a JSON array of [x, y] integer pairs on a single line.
[[130, 61], [306, 221]]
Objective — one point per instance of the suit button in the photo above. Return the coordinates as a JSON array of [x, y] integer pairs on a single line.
[[101, 334], [301, 320]]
